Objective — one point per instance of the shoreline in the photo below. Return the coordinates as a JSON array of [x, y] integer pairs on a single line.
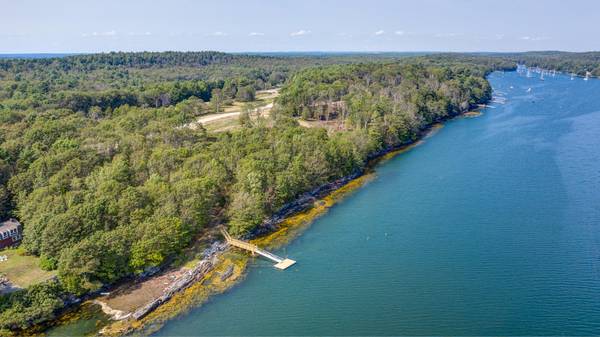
[[288, 227], [275, 232], [231, 266]]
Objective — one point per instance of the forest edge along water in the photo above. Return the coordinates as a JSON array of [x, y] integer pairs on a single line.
[[229, 271], [234, 264], [488, 228]]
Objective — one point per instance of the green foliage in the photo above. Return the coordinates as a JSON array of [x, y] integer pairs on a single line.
[[246, 93], [392, 102], [36, 304], [102, 258], [48, 263], [162, 237], [96, 163]]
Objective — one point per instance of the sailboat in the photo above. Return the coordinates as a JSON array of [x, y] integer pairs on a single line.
[[587, 75], [528, 72], [542, 76], [572, 76], [529, 90]]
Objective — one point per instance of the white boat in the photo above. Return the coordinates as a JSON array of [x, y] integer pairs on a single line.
[[572, 76], [587, 75], [529, 90]]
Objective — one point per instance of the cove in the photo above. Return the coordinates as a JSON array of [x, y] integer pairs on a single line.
[[490, 227]]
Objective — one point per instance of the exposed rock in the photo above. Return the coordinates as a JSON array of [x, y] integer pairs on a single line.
[[113, 313], [184, 281], [6, 286], [227, 273], [149, 272], [301, 203]]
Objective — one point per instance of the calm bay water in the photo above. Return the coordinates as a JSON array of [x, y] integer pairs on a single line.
[[490, 227]]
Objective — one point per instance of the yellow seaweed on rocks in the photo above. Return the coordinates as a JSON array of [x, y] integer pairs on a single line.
[[435, 128], [211, 284], [394, 153], [292, 226], [195, 295], [87, 310], [200, 292], [472, 114]]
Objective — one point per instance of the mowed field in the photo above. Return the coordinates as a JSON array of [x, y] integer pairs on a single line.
[[22, 270]]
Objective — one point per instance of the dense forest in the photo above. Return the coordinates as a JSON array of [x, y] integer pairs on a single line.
[[95, 163], [101, 82], [385, 104], [106, 81]]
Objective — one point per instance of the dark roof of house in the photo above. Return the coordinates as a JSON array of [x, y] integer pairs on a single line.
[[9, 224]]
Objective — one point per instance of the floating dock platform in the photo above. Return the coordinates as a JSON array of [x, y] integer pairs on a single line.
[[284, 264]]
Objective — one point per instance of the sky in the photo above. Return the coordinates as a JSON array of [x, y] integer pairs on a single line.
[[57, 26]]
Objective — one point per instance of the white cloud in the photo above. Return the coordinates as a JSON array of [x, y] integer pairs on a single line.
[[534, 38], [219, 34], [300, 32], [256, 34], [399, 32], [100, 34], [380, 32]]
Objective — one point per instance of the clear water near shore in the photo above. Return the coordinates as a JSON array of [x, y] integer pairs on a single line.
[[491, 227]]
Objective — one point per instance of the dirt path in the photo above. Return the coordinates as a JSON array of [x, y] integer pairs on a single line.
[[222, 117], [210, 118]]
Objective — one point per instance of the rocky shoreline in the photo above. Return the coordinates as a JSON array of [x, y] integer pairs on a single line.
[[194, 275], [299, 204], [220, 268], [210, 255], [268, 226]]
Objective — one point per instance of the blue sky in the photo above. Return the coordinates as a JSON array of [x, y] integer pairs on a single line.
[[308, 25]]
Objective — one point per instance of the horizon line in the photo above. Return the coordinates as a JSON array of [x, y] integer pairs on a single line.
[[295, 51]]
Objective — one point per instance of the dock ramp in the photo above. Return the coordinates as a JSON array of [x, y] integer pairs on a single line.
[[280, 263]]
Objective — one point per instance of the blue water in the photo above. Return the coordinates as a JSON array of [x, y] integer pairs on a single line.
[[490, 227]]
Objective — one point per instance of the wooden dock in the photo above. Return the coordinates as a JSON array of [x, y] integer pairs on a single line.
[[280, 263]]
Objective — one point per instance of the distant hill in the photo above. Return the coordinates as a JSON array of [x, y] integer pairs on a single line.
[[35, 55]]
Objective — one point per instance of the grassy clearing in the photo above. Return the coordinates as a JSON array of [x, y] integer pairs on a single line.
[[223, 124], [228, 119], [23, 270], [263, 98]]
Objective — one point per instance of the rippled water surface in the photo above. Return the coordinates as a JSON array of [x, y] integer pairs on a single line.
[[492, 226]]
